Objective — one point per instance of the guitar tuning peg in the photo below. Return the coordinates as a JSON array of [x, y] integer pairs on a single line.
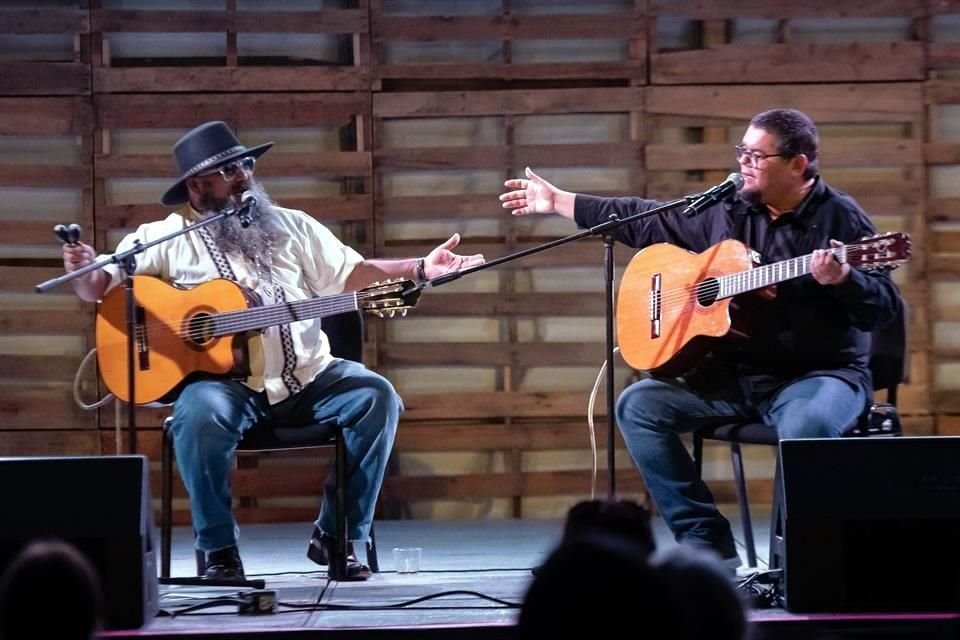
[[403, 314], [379, 314], [392, 312], [375, 284]]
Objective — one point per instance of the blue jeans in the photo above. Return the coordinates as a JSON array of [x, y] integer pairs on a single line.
[[653, 413], [210, 417]]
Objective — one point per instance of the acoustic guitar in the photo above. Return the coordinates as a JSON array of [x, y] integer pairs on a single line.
[[182, 332], [673, 303]]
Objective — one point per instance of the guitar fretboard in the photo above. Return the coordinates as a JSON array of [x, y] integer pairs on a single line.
[[257, 318], [769, 274]]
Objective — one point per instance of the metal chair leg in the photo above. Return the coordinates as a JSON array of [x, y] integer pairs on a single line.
[[737, 458]]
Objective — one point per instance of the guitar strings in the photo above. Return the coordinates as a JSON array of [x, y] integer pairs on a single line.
[[681, 296], [160, 333]]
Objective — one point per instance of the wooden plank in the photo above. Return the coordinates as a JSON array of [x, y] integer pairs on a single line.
[[43, 408], [42, 175], [45, 116], [627, 70], [511, 27], [496, 103], [228, 79], [587, 252], [44, 78], [50, 442], [40, 21], [76, 320], [943, 91], [541, 436], [28, 232], [709, 10], [943, 55], [843, 103], [495, 404], [946, 401], [947, 266], [944, 241], [479, 157], [340, 208], [210, 21], [154, 111], [341, 163], [762, 63], [937, 153], [948, 425], [943, 210], [494, 305], [525, 354], [40, 368]]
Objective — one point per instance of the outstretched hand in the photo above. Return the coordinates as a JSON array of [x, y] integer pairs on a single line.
[[534, 195], [442, 260]]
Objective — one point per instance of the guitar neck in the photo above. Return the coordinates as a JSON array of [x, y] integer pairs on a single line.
[[256, 318], [770, 274]]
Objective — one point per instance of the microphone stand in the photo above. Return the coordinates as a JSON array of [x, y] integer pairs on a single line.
[[604, 229], [128, 264]]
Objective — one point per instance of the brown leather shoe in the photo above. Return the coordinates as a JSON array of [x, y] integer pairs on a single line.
[[224, 564], [323, 548]]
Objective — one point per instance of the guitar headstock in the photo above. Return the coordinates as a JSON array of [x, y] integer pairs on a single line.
[[882, 251], [389, 297]]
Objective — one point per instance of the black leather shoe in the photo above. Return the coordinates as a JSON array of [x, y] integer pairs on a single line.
[[224, 564], [323, 549]]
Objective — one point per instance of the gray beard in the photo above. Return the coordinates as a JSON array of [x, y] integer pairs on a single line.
[[254, 241]]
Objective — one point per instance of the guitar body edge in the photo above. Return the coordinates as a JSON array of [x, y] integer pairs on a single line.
[[687, 327]]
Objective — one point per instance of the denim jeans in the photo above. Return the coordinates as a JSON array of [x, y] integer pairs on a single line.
[[653, 413], [210, 417]]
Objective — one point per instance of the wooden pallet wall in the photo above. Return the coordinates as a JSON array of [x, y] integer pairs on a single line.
[[397, 122]]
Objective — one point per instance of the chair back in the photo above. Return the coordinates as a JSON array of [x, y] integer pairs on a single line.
[[345, 333], [888, 349]]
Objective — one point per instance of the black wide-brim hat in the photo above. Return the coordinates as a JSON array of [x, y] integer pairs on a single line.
[[202, 149]]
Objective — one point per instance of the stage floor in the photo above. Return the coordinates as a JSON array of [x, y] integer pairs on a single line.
[[484, 566]]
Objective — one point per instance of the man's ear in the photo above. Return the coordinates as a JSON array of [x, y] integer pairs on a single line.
[[799, 163], [193, 187]]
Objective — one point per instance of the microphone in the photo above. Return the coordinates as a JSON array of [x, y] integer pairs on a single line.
[[732, 184], [247, 202]]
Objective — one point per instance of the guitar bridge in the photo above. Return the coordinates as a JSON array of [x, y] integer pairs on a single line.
[[140, 331], [655, 304]]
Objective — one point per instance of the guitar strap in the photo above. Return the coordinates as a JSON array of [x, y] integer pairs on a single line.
[[276, 295]]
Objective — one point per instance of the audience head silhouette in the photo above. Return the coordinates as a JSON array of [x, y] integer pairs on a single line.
[[50, 590], [605, 577]]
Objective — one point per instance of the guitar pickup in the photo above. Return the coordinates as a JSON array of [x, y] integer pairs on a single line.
[[656, 304], [142, 345]]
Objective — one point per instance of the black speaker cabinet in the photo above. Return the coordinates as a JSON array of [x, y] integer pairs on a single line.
[[99, 504], [871, 524]]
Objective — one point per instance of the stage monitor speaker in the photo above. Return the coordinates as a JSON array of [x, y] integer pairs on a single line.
[[871, 524], [99, 504]]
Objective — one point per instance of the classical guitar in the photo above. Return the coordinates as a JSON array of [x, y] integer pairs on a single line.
[[672, 302], [180, 332]]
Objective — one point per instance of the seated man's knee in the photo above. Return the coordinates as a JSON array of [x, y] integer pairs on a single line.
[[639, 403], [812, 421]]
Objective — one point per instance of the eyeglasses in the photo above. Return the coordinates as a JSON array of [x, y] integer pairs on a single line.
[[230, 170], [751, 158]]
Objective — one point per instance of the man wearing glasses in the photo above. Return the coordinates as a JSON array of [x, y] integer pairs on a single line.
[[804, 371], [284, 255]]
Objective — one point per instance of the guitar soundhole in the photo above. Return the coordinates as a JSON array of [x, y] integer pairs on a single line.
[[707, 292], [200, 328]]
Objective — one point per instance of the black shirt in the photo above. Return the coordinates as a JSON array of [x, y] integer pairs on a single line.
[[808, 329]]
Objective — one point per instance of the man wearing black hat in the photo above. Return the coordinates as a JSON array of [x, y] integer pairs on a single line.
[[284, 255]]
